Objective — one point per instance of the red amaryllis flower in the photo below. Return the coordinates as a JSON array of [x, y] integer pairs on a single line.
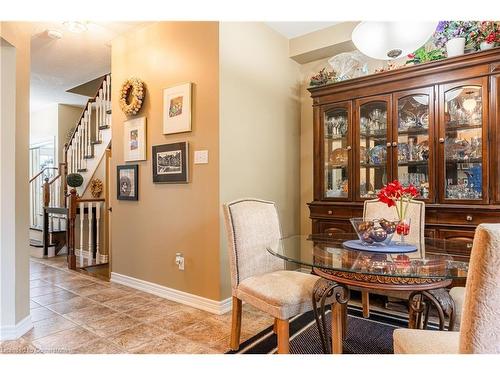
[[394, 194]]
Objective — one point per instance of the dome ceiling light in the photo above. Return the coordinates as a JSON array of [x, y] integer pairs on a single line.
[[76, 26], [390, 40]]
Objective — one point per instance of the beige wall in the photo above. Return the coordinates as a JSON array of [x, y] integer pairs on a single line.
[[170, 218], [43, 124], [259, 123], [67, 116], [14, 176]]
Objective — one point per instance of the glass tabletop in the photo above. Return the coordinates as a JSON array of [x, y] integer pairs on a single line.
[[436, 258]]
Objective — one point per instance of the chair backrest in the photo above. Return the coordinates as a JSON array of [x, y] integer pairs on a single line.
[[251, 226], [480, 325], [374, 209]]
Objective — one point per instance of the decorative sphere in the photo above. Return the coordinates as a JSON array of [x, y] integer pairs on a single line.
[[74, 180], [366, 238], [378, 234], [365, 226]]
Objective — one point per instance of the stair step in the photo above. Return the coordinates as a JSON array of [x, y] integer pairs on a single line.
[[53, 231], [81, 170], [96, 142], [88, 157], [38, 243], [103, 127]]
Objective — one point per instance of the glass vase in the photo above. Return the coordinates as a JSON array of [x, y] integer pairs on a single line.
[[403, 230]]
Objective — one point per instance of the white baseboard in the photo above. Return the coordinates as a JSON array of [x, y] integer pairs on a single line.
[[14, 332], [212, 306], [85, 255]]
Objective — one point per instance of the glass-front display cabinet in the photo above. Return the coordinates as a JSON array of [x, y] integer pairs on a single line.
[[462, 142], [337, 151], [412, 146], [373, 163]]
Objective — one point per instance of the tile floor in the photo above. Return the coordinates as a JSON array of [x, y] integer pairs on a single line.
[[76, 313]]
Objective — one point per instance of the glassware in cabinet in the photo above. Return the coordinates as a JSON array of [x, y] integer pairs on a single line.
[[414, 125], [462, 137], [372, 144], [337, 150]]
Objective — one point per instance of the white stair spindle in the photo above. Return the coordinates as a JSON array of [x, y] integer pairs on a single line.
[[90, 216], [101, 111], [108, 99], [98, 218], [96, 106], [89, 130], [104, 96], [82, 214], [77, 147]]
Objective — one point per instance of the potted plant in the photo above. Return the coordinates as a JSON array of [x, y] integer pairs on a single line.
[[425, 54], [454, 35], [486, 35]]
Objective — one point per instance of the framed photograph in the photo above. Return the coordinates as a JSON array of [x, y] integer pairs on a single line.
[[170, 163], [127, 186], [134, 139], [177, 109]]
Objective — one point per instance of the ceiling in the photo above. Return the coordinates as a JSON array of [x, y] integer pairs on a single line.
[[61, 64], [295, 29]]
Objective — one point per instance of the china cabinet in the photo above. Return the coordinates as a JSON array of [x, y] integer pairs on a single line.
[[433, 125]]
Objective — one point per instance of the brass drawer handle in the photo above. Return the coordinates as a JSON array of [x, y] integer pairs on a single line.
[[330, 234], [330, 212], [388, 144], [468, 218], [441, 140], [469, 245], [394, 144], [349, 148]]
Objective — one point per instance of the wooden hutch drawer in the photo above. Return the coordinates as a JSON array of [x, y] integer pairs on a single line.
[[467, 217], [336, 211], [335, 227]]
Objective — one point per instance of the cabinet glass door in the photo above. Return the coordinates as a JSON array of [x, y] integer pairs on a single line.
[[463, 137], [337, 150], [414, 143], [373, 118]]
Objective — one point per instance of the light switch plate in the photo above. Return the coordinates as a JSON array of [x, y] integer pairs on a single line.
[[201, 157]]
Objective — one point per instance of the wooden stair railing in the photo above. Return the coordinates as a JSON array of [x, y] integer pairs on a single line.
[[92, 208]]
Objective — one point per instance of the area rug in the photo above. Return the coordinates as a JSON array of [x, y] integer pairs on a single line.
[[364, 336]]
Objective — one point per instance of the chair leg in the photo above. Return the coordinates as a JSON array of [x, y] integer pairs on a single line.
[[283, 336], [236, 324], [365, 300], [275, 326]]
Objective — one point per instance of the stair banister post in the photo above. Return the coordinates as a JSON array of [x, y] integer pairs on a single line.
[[71, 230]]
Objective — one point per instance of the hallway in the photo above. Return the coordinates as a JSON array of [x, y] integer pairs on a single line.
[[76, 313]]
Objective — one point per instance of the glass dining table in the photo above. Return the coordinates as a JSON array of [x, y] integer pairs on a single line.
[[424, 274]]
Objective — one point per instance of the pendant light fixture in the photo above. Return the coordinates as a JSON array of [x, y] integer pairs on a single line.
[[390, 40]]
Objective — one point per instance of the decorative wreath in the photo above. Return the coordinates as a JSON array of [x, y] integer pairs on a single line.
[[96, 187], [133, 87]]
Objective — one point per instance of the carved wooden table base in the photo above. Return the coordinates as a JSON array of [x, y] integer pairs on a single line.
[[333, 289]]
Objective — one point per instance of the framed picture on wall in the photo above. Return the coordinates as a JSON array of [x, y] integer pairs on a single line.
[[127, 182], [170, 163], [134, 139], [177, 109]]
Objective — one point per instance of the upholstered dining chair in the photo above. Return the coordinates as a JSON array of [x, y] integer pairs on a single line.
[[374, 209], [480, 317], [257, 277]]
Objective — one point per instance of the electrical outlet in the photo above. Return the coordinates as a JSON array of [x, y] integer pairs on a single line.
[[179, 260]]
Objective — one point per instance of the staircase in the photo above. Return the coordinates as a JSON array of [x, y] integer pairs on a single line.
[[92, 136], [50, 202]]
